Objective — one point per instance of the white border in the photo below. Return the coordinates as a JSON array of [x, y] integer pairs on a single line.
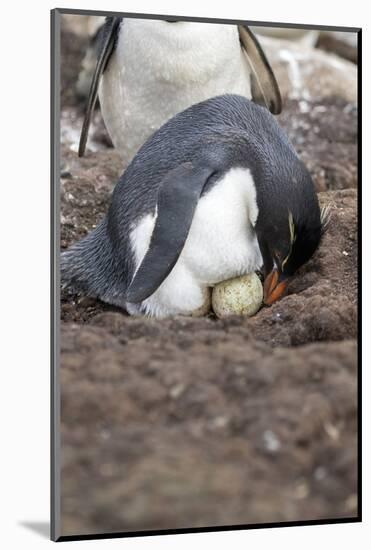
[[24, 352]]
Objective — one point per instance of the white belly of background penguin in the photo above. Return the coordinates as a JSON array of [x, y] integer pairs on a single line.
[[158, 70], [149, 70], [217, 192]]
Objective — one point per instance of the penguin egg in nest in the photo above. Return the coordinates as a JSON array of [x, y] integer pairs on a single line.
[[238, 296]]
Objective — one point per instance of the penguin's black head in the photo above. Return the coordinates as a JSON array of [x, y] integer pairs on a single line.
[[289, 230]]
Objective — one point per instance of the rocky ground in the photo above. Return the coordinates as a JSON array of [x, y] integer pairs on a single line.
[[199, 422]]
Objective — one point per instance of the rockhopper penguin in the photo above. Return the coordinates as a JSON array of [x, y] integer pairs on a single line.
[[217, 192], [149, 70]]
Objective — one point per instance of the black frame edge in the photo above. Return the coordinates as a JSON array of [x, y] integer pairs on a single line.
[[74, 11], [225, 528], [359, 257], [54, 275]]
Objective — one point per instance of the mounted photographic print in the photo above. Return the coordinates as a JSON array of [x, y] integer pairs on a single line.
[[205, 274]]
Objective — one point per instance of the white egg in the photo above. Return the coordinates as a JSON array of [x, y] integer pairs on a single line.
[[238, 296]]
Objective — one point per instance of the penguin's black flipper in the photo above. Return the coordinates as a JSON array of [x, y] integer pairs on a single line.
[[264, 86], [109, 34], [177, 199]]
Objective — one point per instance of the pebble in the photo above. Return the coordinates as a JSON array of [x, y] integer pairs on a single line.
[[332, 431], [301, 491], [176, 391], [320, 473], [271, 441]]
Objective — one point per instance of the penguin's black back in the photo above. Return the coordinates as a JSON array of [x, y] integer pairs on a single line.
[[230, 130], [227, 131]]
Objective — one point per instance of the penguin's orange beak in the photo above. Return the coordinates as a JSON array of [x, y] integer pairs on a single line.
[[275, 286]]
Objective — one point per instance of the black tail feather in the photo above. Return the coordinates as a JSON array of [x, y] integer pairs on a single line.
[[88, 267]]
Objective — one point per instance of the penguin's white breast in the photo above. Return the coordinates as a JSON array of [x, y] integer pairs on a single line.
[[221, 242]]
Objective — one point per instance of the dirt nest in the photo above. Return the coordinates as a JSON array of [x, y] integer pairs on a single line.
[[198, 422]]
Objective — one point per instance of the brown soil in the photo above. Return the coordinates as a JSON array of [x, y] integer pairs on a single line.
[[188, 425], [200, 422]]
